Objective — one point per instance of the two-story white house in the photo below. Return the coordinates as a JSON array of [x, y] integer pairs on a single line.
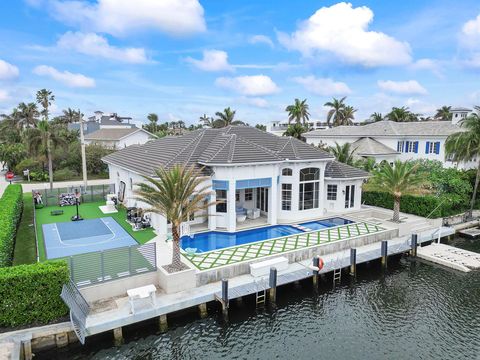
[[256, 177], [390, 141]]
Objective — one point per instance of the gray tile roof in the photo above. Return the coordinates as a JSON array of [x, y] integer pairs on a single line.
[[338, 170], [368, 146], [460, 109], [206, 147], [111, 134], [389, 128]]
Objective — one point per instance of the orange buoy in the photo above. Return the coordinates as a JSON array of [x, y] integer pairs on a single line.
[[320, 264]]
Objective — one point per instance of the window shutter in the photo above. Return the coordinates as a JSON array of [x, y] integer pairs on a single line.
[[415, 147], [399, 145], [427, 147], [437, 147], [406, 146]]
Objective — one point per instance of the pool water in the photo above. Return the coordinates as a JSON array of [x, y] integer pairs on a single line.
[[326, 223], [213, 240]]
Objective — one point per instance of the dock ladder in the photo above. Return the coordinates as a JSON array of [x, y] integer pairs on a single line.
[[337, 271], [261, 292]]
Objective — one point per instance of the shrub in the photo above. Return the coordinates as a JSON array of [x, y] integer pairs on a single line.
[[11, 206], [424, 205], [31, 293], [30, 164], [38, 176], [63, 174]]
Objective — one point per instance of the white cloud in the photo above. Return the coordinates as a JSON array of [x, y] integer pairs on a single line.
[[8, 71], [420, 107], [430, 65], [261, 39], [4, 95], [213, 60], [255, 85], [470, 36], [65, 77], [343, 31], [120, 17], [410, 87], [323, 86], [96, 45]]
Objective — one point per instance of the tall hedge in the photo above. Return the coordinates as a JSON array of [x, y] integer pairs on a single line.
[[11, 207], [424, 205], [30, 294]]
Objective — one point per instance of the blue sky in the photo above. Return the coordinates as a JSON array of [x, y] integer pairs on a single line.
[[183, 58]]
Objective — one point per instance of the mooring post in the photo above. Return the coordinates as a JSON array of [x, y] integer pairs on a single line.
[[225, 298], [27, 350], [414, 244], [118, 336], [272, 282], [202, 310], [316, 263], [384, 252], [353, 262], [163, 323]]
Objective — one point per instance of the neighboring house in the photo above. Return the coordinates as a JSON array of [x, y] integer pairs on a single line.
[[389, 140], [459, 113], [119, 138], [279, 127], [255, 176], [101, 121]]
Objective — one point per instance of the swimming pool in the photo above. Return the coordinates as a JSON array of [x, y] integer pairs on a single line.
[[213, 240], [326, 223]]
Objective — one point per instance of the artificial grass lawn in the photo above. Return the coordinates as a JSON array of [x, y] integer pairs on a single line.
[[24, 252], [87, 211]]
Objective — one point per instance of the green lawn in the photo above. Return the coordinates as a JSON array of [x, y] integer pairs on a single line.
[[87, 211], [25, 242]]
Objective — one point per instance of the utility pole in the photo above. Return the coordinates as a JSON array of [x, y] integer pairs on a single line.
[[82, 144]]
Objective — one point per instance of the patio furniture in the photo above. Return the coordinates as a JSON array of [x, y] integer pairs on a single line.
[[241, 217], [253, 213], [240, 210], [56, 212], [143, 292], [263, 268]]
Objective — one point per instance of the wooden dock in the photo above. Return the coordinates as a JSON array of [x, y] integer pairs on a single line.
[[473, 233], [450, 256]]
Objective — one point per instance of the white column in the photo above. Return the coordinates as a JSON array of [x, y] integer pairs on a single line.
[[212, 211], [273, 202], [231, 215], [321, 190]]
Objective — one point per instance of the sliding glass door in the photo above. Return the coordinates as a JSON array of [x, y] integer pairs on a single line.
[[349, 196]]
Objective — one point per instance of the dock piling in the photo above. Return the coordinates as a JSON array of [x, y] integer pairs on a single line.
[[414, 244], [163, 323], [118, 336], [202, 310], [384, 253], [272, 282], [316, 263], [225, 298], [353, 262]]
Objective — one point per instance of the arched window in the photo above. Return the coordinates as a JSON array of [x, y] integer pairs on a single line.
[[308, 188], [287, 172]]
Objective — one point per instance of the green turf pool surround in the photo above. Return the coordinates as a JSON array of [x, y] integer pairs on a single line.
[[87, 211], [251, 251]]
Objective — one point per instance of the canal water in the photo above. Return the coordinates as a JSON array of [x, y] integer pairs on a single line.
[[414, 310]]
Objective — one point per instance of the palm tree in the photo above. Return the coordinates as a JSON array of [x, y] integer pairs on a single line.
[[43, 140], [69, 116], [465, 146], [45, 98], [400, 179], [27, 115], [402, 114], [153, 118], [207, 121], [298, 111], [347, 116], [296, 131], [336, 109], [375, 117], [176, 194], [226, 118], [443, 113], [343, 153], [261, 127]]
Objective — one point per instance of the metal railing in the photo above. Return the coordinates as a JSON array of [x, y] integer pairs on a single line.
[[79, 308], [92, 193], [107, 265]]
